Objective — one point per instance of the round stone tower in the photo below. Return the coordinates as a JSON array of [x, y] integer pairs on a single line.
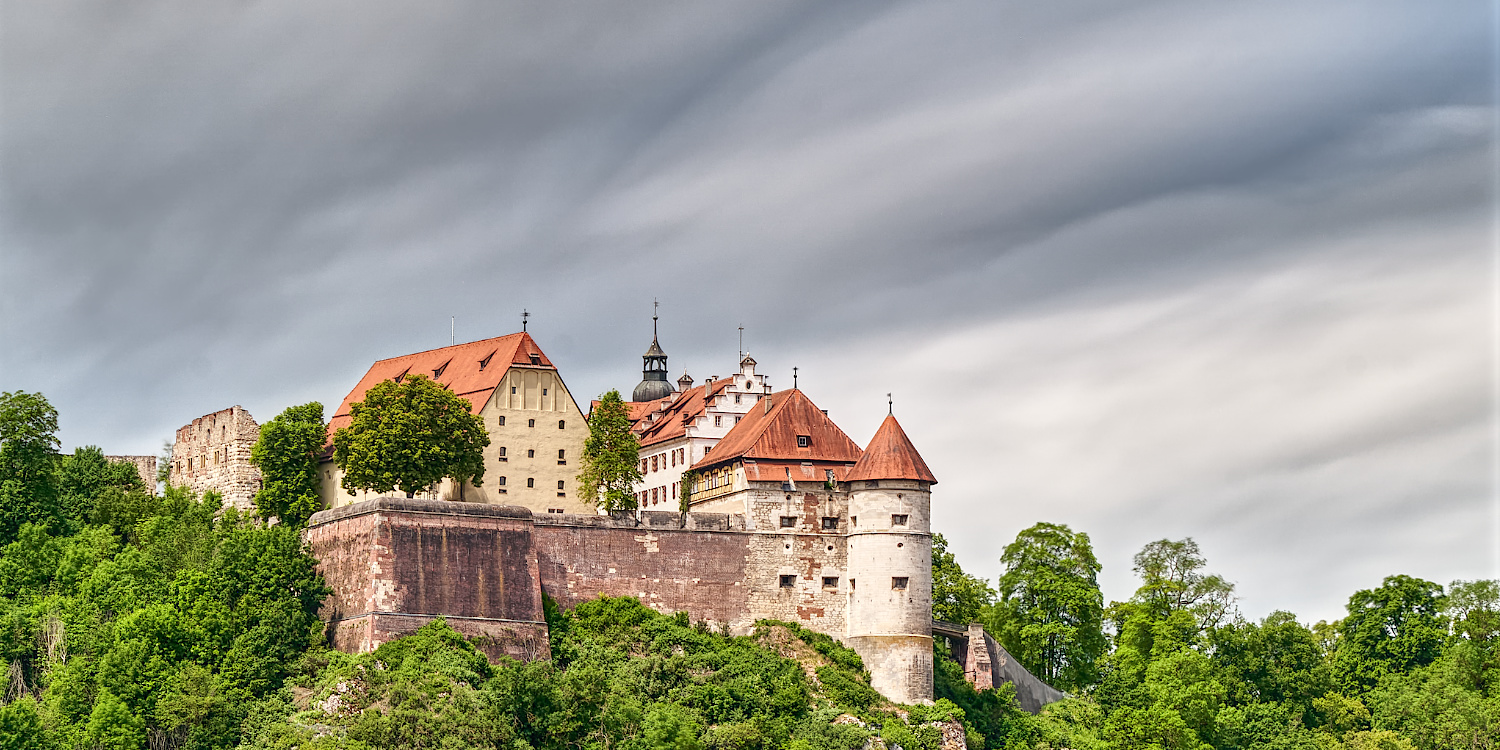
[[889, 617]]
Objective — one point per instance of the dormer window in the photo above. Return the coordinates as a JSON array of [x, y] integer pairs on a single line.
[[483, 363], [804, 441], [400, 377], [536, 359], [437, 373]]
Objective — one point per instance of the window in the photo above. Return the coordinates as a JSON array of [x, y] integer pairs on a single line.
[[898, 519], [535, 359], [562, 494], [643, 466], [562, 424], [898, 583], [562, 459], [502, 454], [803, 441], [788, 522], [483, 363], [851, 584], [653, 495], [502, 421], [531, 423], [830, 523], [854, 521], [512, 390], [544, 391], [559, 484], [788, 581], [706, 449], [439, 371], [736, 420], [554, 510], [736, 398], [530, 481], [531, 453], [830, 582], [501, 482], [718, 421]]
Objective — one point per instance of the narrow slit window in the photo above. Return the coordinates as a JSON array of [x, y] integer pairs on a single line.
[[530, 481], [531, 423], [562, 424], [531, 453]]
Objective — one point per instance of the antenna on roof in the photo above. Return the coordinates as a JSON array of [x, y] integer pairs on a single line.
[[524, 316], [742, 342], [452, 329], [794, 378], [890, 405]]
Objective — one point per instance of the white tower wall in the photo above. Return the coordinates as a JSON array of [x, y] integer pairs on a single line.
[[888, 625]]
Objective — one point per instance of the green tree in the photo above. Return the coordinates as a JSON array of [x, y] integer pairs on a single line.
[[1171, 581], [409, 435], [1276, 661], [1389, 630], [957, 597], [611, 457], [86, 475], [287, 456], [113, 727], [21, 727], [28, 455], [1051, 613], [1473, 607]]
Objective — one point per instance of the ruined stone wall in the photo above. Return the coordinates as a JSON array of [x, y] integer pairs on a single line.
[[395, 563], [145, 466], [213, 453]]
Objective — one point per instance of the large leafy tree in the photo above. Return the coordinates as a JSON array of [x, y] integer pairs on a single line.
[[1391, 629], [1277, 660], [28, 455], [1172, 580], [409, 435], [86, 475], [611, 457], [287, 455], [957, 597], [1051, 613]]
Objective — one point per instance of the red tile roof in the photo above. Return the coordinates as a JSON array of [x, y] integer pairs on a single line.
[[771, 434], [890, 455], [687, 407], [471, 370]]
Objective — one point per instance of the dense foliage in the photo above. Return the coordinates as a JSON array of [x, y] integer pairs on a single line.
[[611, 457], [1050, 613], [287, 456], [408, 436]]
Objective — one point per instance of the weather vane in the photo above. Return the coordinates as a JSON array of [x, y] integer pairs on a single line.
[[524, 316]]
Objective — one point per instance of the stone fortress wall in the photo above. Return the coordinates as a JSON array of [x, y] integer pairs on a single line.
[[213, 453], [145, 466]]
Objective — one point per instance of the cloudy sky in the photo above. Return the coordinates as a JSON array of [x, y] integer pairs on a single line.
[[1150, 269]]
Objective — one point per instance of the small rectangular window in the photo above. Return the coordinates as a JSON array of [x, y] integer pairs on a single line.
[[830, 582], [562, 494], [718, 421], [512, 390], [788, 522], [562, 457], [898, 519], [830, 523], [502, 454], [560, 484], [853, 522], [898, 583], [803, 441], [544, 391], [531, 453], [851, 584], [788, 581], [736, 398], [531, 423], [502, 421], [502, 481], [562, 424], [530, 481], [554, 510]]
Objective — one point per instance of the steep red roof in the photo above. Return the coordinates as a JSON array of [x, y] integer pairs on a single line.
[[890, 455], [471, 370], [687, 407], [771, 433]]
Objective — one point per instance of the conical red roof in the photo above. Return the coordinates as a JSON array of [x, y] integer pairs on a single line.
[[891, 455]]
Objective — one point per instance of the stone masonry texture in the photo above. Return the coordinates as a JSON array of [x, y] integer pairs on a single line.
[[213, 453]]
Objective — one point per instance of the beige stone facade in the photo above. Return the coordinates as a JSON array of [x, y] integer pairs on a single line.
[[213, 453], [536, 428]]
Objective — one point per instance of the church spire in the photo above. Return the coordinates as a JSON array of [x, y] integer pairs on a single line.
[[653, 383]]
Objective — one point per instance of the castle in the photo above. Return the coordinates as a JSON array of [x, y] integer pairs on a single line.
[[788, 519]]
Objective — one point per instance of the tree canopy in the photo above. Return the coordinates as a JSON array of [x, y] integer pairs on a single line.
[[287, 456], [1388, 630], [1051, 614], [28, 450], [611, 457], [957, 597], [408, 436]]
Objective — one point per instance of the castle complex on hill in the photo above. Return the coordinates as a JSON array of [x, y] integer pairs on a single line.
[[787, 519]]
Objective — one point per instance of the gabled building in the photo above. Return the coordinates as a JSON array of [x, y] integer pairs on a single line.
[[536, 428]]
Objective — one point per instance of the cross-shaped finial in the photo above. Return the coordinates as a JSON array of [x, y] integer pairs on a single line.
[[890, 404], [524, 316], [794, 378]]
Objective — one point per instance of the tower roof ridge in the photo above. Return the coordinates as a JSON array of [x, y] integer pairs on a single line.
[[891, 455]]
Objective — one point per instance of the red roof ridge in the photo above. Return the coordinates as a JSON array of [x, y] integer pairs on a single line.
[[772, 433], [890, 455]]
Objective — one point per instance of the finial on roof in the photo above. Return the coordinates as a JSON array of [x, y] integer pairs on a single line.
[[794, 378], [890, 405], [654, 306], [524, 316]]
